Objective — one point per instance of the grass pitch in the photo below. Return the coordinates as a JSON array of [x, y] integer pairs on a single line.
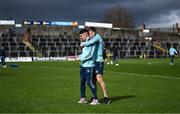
[[136, 85]]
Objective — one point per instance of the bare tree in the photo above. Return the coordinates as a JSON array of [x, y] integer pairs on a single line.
[[119, 17]]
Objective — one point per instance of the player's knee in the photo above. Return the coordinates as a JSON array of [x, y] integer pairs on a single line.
[[91, 85], [100, 80]]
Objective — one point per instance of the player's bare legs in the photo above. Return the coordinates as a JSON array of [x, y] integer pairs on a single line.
[[101, 82]]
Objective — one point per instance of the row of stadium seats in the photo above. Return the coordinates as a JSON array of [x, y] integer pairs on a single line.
[[60, 46]]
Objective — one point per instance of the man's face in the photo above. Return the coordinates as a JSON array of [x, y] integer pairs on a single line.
[[91, 33], [83, 36]]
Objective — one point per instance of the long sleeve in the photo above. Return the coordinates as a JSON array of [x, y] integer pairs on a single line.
[[94, 40], [87, 54], [175, 51]]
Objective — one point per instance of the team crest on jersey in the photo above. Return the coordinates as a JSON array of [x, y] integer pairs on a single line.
[[96, 71], [88, 71]]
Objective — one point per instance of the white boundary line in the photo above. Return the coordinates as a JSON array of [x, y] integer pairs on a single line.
[[145, 75]]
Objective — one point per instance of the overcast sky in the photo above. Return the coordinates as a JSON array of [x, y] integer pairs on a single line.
[[152, 12]]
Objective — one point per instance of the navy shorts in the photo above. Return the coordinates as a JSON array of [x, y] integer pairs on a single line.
[[99, 68]]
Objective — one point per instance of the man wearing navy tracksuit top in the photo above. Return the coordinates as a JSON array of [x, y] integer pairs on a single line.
[[2, 57], [86, 69]]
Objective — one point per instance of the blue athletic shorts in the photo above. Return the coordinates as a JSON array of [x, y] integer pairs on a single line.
[[99, 68]]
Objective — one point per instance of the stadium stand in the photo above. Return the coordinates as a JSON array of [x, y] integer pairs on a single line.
[[64, 41]]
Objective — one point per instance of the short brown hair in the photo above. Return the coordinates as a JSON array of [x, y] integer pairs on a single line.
[[92, 29]]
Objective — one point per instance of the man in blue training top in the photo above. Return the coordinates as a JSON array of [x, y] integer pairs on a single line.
[[86, 69], [115, 56], [99, 60], [172, 52], [2, 57]]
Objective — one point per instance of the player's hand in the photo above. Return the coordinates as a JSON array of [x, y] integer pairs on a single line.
[[76, 58], [81, 45]]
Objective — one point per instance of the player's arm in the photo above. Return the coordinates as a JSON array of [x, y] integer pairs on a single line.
[[88, 54], [92, 41], [176, 52]]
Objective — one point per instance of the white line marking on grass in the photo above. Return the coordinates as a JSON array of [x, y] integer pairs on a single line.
[[145, 75]]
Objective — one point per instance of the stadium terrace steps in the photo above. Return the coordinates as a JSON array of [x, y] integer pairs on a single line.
[[53, 44]]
